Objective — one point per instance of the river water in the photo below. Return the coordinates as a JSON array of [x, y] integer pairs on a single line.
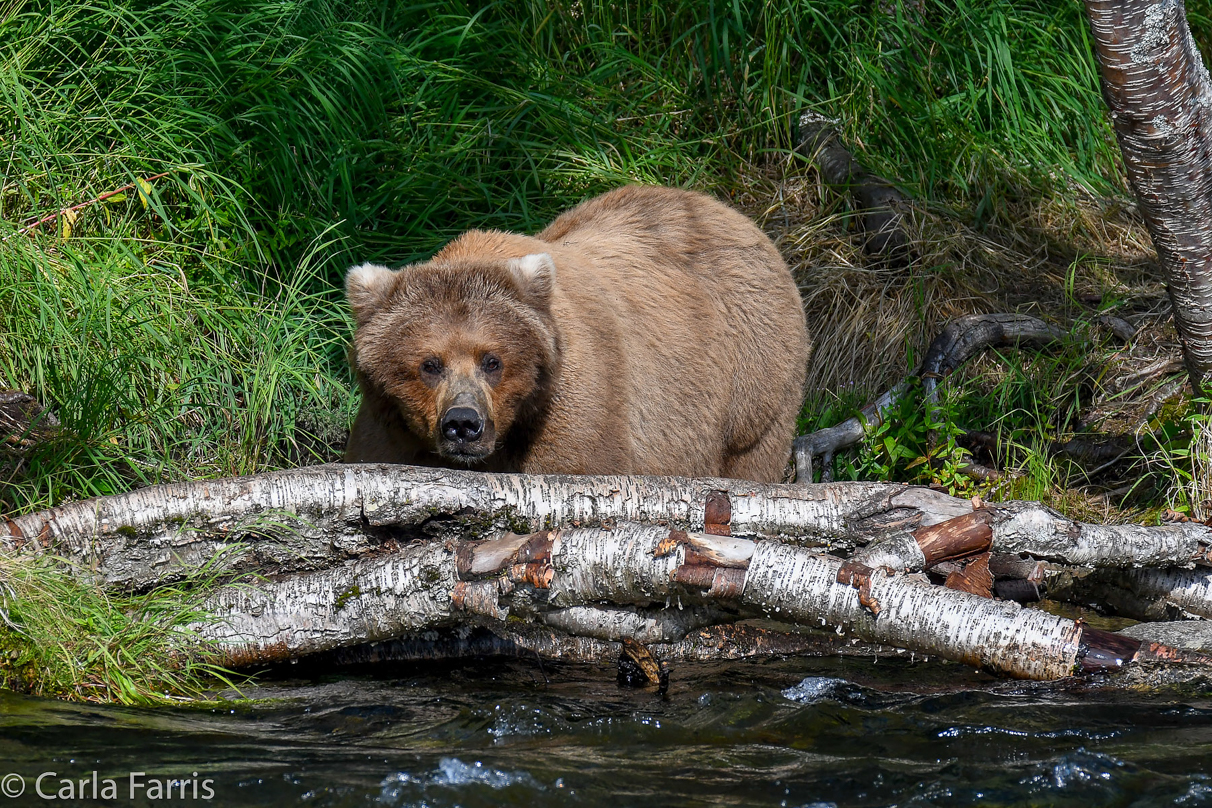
[[793, 732]]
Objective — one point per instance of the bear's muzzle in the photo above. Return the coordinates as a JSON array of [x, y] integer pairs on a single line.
[[465, 428]]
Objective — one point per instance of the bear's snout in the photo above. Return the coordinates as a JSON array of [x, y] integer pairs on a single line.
[[465, 428], [462, 425]]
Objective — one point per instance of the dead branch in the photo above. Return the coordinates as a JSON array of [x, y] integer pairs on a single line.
[[50, 217], [1034, 530], [965, 337], [307, 518], [1142, 594], [1086, 564], [880, 205], [1189, 635], [962, 339]]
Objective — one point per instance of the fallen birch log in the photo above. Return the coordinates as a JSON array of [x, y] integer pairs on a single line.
[[308, 518], [1147, 594], [1132, 571], [440, 584], [364, 553], [489, 638], [1031, 529]]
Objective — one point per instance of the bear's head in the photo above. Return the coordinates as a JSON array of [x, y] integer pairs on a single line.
[[461, 350]]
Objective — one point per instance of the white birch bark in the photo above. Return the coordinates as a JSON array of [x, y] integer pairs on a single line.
[[1160, 96], [307, 518], [793, 584], [1189, 590], [645, 626], [1039, 531], [356, 601], [590, 573]]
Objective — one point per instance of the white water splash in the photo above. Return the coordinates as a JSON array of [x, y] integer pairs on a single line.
[[813, 689]]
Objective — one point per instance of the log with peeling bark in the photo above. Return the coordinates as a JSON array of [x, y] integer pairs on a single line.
[[573, 572], [367, 553], [1031, 529], [307, 518]]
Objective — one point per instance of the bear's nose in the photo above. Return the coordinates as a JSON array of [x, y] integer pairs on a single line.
[[462, 424]]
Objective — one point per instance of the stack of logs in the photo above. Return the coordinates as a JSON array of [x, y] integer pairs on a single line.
[[351, 555]]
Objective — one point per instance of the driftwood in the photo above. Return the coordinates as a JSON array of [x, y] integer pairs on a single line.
[[1148, 594], [307, 518], [961, 340], [365, 553]]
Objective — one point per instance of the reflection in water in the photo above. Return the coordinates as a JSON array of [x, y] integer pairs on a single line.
[[799, 732]]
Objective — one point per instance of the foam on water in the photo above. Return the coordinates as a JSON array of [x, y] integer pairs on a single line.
[[813, 689], [452, 772]]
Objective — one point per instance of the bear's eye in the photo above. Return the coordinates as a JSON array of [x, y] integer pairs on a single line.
[[490, 363], [431, 367]]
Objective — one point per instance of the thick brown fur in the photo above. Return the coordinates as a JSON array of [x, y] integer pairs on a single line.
[[670, 339]]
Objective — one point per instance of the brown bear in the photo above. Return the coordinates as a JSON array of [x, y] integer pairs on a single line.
[[646, 331]]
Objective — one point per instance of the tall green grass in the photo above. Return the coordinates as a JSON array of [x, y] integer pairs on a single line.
[[197, 329], [63, 636]]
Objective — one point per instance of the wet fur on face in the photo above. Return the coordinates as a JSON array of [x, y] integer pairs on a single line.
[[456, 334]]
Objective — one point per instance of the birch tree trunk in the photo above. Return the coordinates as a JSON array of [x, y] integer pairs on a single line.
[[1160, 96]]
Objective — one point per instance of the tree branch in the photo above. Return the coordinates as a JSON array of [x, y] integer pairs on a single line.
[[962, 339], [50, 217], [879, 203]]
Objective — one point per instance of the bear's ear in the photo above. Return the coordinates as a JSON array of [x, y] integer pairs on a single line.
[[535, 275], [366, 288]]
